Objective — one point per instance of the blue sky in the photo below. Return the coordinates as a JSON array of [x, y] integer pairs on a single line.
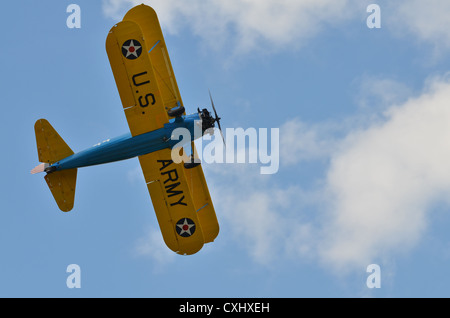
[[364, 156]]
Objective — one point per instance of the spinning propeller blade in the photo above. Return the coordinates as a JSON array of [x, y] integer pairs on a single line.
[[217, 119]]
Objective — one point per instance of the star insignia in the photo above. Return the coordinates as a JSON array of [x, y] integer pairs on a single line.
[[131, 49], [185, 227]]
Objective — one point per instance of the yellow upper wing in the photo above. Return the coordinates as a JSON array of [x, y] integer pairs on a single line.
[[135, 78], [148, 21]]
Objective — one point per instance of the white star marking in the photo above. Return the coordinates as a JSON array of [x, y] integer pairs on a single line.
[[131, 49], [185, 227]]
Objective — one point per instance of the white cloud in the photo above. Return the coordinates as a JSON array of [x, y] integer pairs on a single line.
[[244, 25], [152, 245], [375, 200], [300, 141], [252, 210], [384, 179], [425, 20], [380, 93], [115, 8]]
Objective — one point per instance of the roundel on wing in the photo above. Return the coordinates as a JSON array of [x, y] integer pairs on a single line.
[[185, 227], [131, 49]]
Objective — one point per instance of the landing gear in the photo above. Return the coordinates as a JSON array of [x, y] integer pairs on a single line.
[[191, 164], [176, 111]]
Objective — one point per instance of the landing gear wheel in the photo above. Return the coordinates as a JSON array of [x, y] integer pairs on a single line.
[[176, 111]]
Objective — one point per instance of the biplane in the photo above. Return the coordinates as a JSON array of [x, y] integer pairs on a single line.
[[153, 108]]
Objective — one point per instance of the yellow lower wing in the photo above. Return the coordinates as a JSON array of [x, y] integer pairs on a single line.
[[172, 200], [202, 201]]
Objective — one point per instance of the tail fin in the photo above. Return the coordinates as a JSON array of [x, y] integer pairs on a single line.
[[52, 148]]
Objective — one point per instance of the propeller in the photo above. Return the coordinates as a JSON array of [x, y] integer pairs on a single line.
[[217, 119]]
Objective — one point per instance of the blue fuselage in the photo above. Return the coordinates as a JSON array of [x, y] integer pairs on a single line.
[[128, 146]]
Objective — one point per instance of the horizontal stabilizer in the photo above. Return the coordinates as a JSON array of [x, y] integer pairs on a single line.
[[51, 147], [62, 185]]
